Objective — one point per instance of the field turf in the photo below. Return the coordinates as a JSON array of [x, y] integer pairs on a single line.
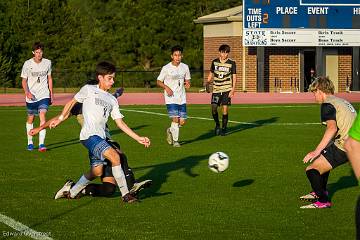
[[256, 198]]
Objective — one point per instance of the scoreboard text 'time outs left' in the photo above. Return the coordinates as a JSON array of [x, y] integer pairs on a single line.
[[301, 23]]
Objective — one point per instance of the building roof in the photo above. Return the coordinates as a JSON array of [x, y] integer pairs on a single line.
[[229, 15]]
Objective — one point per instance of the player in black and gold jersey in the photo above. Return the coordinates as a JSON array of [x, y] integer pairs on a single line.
[[223, 76], [338, 115]]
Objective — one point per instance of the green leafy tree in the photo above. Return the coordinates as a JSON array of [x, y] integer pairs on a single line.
[[5, 68]]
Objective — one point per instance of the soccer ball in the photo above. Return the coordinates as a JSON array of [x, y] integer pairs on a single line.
[[218, 162]]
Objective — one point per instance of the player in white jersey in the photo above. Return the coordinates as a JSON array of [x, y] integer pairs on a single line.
[[98, 105], [174, 78], [38, 87]]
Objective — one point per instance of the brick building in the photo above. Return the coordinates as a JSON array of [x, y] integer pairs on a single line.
[[276, 69]]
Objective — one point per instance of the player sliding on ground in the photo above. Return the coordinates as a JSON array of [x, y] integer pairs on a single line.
[[108, 186], [338, 115], [98, 105]]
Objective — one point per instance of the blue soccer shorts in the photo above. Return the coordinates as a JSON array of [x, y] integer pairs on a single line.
[[176, 110], [96, 147], [39, 106]]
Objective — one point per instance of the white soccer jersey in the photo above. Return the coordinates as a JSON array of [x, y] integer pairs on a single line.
[[37, 78], [97, 106], [174, 77]]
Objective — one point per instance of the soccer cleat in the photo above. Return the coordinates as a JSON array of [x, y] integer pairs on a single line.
[[311, 197], [217, 131], [66, 188], [317, 204], [42, 148], [223, 132], [140, 186], [169, 137], [128, 198], [176, 144], [67, 195], [30, 147]]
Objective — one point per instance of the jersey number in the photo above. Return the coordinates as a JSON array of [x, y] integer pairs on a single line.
[[105, 112]]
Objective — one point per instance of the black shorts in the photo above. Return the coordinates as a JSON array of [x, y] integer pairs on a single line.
[[334, 155], [221, 98], [107, 169]]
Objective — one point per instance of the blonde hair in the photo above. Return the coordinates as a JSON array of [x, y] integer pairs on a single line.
[[322, 83]]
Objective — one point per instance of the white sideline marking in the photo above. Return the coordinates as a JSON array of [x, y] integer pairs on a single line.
[[23, 229], [202, 107], [242, 107], [210, 119]]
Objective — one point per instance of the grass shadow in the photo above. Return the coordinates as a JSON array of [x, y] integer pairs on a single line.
[[118, 131], [59, 215], [250, 125], [233, 129], [342, 183], [62, 144], [159, 173], [243, 183]]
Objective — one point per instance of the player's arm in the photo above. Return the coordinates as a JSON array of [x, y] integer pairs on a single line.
[[26, 88], [210, 77], [124, 127], [233, 78], [187, 83], [50, 82], [64, 114], [232, 92], [168, 90], [211, 73], [187, 78], [35, 131]]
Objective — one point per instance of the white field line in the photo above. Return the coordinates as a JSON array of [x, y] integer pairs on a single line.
[[231, 121], [240, 107], [210, 119], [200, 107], [22, 229]]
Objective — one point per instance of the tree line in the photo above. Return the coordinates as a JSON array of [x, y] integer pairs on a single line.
[[133, 34]]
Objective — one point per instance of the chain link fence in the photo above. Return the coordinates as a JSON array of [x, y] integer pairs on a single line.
[[125, 78]]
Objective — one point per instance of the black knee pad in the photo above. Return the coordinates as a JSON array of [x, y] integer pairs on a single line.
[[108, 189]]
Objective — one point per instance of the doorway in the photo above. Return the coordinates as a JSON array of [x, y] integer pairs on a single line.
[[309, 68], [332, 66]]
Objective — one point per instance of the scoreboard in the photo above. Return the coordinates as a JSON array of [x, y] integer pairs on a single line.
[[301, 22]]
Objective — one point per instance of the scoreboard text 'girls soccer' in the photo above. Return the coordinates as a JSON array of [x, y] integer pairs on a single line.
[[301, 23]]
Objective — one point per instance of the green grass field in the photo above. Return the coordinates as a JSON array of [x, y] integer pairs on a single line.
[[256, 198]]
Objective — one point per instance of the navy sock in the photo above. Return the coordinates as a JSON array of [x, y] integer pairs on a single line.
[[325, 177], [215, 114], [225, 119], [316, 182]]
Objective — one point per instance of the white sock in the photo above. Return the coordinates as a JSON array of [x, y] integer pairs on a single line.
[[80, 185], [42, 135], [29, 126], [120, 179], [175, 131]]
